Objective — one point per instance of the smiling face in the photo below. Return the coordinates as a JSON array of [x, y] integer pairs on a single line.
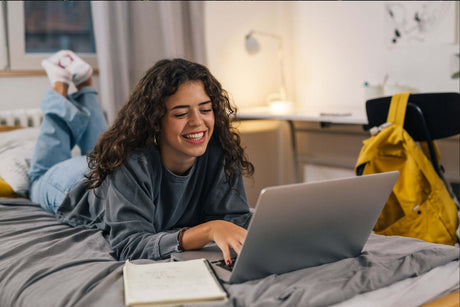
[[186, 128]]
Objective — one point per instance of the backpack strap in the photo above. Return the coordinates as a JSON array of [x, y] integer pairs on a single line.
[[425, 148], [397, 111]]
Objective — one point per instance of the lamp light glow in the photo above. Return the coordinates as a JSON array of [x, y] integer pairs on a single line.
[[280, 106]]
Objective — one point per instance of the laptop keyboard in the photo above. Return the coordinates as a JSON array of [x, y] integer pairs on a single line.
[[222, 264]]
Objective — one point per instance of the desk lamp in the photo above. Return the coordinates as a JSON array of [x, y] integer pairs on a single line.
[[278, 102]]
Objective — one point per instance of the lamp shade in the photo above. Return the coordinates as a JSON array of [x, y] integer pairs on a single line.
[[251, 44]]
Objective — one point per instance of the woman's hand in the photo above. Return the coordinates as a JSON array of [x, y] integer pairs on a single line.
[[226, 235]]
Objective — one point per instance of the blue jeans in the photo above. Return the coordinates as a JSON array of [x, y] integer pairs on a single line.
[[67, 121]]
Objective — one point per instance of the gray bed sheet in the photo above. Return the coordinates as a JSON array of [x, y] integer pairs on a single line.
[[45, 263]]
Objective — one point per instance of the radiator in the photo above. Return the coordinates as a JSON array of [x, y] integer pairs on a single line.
[[21, 117]]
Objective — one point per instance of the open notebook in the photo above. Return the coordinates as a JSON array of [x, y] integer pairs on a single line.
[[171, 283]]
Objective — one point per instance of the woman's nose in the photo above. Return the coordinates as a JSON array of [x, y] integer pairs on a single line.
[[195, 118]]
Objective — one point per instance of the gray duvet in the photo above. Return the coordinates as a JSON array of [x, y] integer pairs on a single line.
[[45, 263]]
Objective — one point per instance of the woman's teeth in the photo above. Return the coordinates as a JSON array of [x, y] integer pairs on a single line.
[[194, 136]]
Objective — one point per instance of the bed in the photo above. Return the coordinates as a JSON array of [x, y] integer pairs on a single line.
[[46, 263]]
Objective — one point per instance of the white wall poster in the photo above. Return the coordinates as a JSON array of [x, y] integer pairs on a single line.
[[414, 22]]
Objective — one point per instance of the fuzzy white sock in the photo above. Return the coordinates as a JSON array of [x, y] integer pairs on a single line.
[[56, 73], [79, 70]]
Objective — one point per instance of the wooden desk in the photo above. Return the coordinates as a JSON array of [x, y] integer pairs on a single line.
[[325, 120]]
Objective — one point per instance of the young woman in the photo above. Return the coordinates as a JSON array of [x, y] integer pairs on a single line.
[[165, 177]]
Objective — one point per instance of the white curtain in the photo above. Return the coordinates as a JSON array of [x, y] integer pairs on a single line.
[[132, 35]]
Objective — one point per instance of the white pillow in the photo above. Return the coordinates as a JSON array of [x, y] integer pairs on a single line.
[[16, 150]]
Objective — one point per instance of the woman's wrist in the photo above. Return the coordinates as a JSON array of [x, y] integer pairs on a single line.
[[197, 236], [209, 227], [180, 236]]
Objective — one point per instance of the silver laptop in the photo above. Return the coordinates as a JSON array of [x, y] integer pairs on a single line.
[[302, 225]]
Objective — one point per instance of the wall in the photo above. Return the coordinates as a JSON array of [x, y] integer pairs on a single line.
[[332, 48], [340, 45], [26, 91], [248, 78], [22, 92]]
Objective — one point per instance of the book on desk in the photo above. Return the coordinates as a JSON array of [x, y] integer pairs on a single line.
[[171, 283]]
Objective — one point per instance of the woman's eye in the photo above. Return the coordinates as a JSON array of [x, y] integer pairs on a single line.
[[180, 115], [206, 110]]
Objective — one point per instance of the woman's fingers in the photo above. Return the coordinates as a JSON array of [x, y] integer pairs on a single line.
[[236, 246], [225, 248], [225, 252], [228, 236]]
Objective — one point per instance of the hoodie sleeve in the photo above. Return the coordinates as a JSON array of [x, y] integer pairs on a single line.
[[130, 215]]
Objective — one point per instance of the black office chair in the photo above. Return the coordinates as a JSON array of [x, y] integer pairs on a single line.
[[429, 116]]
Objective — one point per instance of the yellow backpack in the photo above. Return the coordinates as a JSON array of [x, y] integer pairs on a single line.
[[420, 205]]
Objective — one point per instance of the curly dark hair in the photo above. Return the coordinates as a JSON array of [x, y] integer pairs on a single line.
[[138, 123]]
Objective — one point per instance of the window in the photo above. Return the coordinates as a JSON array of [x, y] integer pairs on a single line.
[[39, 28], [56, 25]]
